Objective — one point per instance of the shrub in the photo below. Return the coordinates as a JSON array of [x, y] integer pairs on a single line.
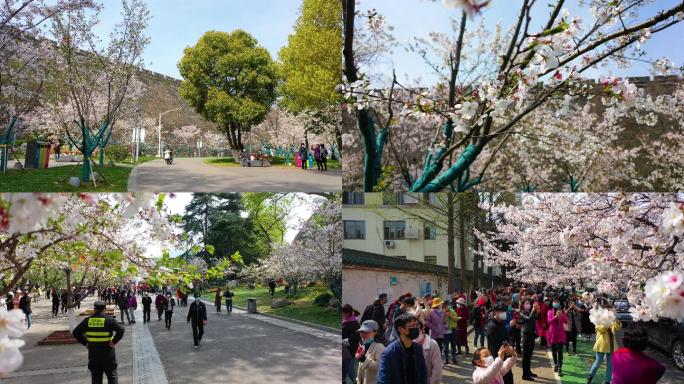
[[323, 299], [117, 152]]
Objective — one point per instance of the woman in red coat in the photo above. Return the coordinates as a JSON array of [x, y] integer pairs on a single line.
[[462, 325]]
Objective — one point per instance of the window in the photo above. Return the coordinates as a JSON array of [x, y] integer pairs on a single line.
[[353, 198], [394, 230], [429, 231], [432, 199], [430, 259], [390, 198], [354, 230]]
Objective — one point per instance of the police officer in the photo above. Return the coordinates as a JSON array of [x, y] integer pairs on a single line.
[[100, 332], [198, 314]]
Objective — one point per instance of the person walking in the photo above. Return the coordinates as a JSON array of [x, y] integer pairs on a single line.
[[555, 335], [271, 287], [147, 307], [450, 321], [324, 158], [122, 302], [573, 326], [132, 306], [432, 356], [604, 347], [527, 319], [55, 303], [63, 301], [217, 300], [159, 305], [403, 361], [435, 321], [317, 156], [368, 353], [25, 306], [630, 364], [461, 335], [197, 316], [100, 333], [493, 371], [303, 155], [168, 306], [376, 311], [478, 319], [229, 300]]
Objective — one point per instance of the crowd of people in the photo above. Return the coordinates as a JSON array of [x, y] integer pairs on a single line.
[[318, 154], [411, 339]]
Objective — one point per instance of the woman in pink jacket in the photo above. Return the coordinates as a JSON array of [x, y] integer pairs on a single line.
[[555, 335], [490, 370]]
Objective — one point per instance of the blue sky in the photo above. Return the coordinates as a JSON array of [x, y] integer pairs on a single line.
[[177, 24], [419, 17]]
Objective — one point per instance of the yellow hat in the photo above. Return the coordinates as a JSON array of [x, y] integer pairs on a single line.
[[436, 302]]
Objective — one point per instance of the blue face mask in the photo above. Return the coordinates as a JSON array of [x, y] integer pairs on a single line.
[[556, 305]]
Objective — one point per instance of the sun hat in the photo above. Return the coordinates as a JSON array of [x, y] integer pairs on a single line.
[[436, 302]]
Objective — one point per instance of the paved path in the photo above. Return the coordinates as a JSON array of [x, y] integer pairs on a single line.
[[238, 348], [193, 175]]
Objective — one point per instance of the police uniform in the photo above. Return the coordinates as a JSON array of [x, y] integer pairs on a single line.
[[96, 332]]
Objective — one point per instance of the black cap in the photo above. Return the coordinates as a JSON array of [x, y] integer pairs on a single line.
[[100, 305]]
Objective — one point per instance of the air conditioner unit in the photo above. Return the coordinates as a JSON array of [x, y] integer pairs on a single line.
[[412, 233], [411, 199], [389, 243]]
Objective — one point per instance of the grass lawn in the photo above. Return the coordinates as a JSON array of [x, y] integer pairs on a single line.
[[576, 368], [56, 180], [302, 309], [277, 162]]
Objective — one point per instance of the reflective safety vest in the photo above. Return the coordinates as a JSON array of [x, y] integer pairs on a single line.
[[96, 332]]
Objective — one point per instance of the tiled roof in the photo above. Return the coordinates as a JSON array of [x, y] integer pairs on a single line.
[[367, 259]]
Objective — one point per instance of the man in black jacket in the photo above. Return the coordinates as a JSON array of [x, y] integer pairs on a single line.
[[497, 335], [147, 307], [100, 333], [122, 302], [528, 318], [25, 306], [197, 316], [376, 311]]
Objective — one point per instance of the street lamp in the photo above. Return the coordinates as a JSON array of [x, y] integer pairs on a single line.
[[160, 127]]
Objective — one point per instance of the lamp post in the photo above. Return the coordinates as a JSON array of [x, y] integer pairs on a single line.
[[160, 127]]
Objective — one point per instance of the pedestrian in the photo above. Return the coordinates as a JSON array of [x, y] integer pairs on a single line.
[[492, 371], [324, 158], [25, 306], [605, 345], [9, 301], [63, 301], [433, 357], [556, 334], [271, 287], [132, 306], [100, 333], [527, 320], [573, 326], [197, 315], [147, 307], [159, 305], [55, 303], [435, 321], [630, 364], [217, 300], [168, 306], [303, 155], [122, 302], [478, 319], [316, 149], [497, 336], [407, 305], [542, 322], [77, 298], [58, 149], [451, 328], [403, 361], [229, 300], [368, 353], [350, 342], [376, 311]]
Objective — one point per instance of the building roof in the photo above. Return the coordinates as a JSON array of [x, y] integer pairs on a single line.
[[368, 259]]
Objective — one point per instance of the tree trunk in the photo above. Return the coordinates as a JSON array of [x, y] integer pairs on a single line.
[[451, 280], [461, 237]]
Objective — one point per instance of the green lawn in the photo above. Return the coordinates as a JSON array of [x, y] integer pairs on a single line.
[[576, 368], [276, 162], [56, 180], [302, 309]]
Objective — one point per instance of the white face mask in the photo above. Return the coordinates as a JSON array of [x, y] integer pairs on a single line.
[[502, 315], [488, 360]]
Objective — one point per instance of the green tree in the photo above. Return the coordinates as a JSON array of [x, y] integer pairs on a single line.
[[230, 80]]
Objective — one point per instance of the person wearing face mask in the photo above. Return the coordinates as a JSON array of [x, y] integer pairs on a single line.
[[542, 323], [527, 319], [450, 321], [462, 326], [433, 358], [497, 335], [435, 321], [403, 362], [556, 334], [368, 353], [573, 326], [489, 370]]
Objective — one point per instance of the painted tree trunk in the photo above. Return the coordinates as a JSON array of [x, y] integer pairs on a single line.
[[451, 249], [85, 174]]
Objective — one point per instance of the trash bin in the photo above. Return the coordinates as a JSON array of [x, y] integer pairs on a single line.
[[251, 305]]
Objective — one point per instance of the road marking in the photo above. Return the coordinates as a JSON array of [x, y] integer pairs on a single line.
[[147, 366]]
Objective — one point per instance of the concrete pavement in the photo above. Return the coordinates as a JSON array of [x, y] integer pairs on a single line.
[[193, 175], [238, 348]]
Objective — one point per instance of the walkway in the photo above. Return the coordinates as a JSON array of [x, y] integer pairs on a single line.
[[193, 175]]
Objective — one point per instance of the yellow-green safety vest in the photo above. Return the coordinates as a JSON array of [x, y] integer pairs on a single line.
[[96, 333]]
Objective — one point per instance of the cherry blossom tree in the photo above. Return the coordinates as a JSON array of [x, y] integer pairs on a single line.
[[490, 84], [608, 241]]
